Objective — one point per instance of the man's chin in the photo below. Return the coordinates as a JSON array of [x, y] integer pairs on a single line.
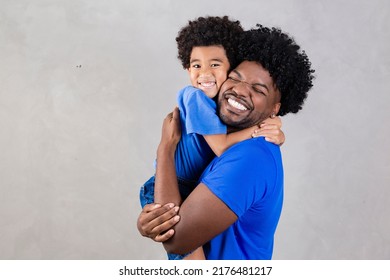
[[232, 120]]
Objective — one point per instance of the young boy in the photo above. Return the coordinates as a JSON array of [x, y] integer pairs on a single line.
[[207, 49]]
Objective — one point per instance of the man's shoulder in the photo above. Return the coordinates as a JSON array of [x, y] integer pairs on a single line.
[[255, 145], [255, 149]]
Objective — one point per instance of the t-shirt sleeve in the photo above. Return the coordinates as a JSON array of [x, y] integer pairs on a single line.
[[238, 178], [201, 117]]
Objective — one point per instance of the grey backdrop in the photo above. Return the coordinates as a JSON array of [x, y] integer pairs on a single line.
[[84, 86]]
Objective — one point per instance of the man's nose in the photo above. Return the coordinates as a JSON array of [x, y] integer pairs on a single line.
[[242, 88]]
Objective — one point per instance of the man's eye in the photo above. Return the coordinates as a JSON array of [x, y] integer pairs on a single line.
[[233, 79], [258, 90]]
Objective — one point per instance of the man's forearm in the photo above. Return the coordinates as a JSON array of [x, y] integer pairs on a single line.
[[166, 186]]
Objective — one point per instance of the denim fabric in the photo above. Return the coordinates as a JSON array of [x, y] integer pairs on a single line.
[[147, 196]]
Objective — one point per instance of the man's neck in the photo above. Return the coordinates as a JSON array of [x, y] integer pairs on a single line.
[[231, 129]]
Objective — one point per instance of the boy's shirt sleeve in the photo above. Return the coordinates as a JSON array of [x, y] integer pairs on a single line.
[[200, 112]]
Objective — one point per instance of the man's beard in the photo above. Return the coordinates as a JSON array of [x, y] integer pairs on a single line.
[[235, 125]]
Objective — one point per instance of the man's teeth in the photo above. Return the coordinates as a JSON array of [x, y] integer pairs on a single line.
[[236, 105]]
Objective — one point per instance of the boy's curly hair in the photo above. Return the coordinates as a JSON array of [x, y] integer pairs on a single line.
[[289, 67], [209, 31]]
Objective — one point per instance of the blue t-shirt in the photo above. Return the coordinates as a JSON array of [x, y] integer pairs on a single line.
[[198, 117], [248, 178]]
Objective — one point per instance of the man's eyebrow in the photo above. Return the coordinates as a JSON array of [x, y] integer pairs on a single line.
[[262, 85], [236, 72]]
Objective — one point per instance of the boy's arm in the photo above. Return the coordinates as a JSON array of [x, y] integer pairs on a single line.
[[221, 142], [271, 130]]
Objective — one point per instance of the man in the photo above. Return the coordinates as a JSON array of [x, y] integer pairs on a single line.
[[207, 49], [234, 211]]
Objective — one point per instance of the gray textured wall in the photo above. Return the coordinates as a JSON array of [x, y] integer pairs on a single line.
[[84, 86]]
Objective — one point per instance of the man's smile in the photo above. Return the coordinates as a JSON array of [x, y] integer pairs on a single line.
[[237, 105]]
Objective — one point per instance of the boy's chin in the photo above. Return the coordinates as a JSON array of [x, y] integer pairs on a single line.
[[210, 93]]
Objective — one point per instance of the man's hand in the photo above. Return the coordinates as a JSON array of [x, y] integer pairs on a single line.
[[156, 221]]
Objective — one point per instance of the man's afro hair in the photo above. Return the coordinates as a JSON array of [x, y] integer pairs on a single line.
[[289, 67]]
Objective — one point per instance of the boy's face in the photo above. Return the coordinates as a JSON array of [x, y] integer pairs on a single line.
[[208, 68]]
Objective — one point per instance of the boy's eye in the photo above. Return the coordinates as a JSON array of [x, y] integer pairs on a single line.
[[214, 65], [195, 66]]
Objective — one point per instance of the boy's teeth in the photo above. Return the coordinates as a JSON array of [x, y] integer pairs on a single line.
[[236, 105], [209, 84]]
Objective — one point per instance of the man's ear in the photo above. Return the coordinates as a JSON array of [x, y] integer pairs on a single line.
[[275, 109]]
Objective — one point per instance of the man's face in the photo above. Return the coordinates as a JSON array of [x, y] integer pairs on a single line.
[[248, 96], [208, 68]]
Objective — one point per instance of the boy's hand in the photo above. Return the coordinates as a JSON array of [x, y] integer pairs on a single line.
[[156, 221], [270, 129], [171, 130]]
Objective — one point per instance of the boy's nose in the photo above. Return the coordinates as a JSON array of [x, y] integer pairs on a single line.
[[205, 71]]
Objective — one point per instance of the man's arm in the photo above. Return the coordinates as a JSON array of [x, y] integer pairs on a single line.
[[156, 221], [166, 189], [202, 215]]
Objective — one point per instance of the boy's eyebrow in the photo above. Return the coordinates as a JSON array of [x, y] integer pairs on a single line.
[[213, 59], [192, 60], [217, 59]]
